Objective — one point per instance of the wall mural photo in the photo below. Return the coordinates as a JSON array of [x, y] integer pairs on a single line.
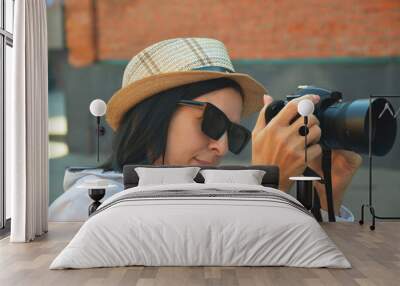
[[197, 96]]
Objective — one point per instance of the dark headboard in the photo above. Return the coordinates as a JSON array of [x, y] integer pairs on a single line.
[[270, 179]]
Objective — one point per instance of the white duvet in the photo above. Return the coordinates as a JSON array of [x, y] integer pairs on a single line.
[[183, 231]]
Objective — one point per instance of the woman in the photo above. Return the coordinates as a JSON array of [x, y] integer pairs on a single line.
[[181, 103]]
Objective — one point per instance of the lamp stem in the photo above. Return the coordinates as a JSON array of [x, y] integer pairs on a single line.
[[98, 138], [305, 138]]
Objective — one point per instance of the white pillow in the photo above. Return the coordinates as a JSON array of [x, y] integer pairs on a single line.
[[249, 177], [162, 176]]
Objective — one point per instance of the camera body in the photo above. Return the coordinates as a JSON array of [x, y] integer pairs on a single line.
[[345, 125]]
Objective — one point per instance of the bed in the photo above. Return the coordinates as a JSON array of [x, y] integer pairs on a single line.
[[201, 224]]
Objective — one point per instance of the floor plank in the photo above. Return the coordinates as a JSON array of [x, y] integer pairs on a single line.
[[374, 255]]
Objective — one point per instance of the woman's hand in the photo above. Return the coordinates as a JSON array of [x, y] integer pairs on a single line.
[[279, 143], [344, 166]]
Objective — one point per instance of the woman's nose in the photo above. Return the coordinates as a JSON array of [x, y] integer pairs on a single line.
[[220, 145]]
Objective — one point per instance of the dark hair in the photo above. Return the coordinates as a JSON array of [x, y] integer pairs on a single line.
[[141, 137]]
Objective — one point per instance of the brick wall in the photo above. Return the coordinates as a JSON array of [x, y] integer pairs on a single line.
[[264, 29], [81, 31]]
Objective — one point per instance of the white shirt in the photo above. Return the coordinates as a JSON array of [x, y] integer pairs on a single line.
[[344, 215]]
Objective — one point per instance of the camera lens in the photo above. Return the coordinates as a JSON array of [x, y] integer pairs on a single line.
[[345, 125]]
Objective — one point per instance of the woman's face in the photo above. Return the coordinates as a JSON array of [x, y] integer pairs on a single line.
[[187, 144]]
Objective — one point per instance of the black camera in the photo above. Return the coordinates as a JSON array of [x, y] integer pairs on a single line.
[[345, 125]]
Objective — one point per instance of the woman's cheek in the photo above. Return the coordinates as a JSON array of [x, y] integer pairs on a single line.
[[195, 141], [201, 138]]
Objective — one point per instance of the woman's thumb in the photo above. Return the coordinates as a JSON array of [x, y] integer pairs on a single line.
[[267, 99], [260, 123]]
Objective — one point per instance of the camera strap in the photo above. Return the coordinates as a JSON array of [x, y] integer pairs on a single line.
[[327, 181], [316, 209], [327, 173], [316, 205]]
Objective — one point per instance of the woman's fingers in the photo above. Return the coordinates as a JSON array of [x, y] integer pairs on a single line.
[[314, 135], [313, 152], [313, 138], [312, 120], [279, 143], [286, 115]]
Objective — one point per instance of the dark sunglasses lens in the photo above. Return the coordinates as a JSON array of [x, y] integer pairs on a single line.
[[238, 137], [214, 122]]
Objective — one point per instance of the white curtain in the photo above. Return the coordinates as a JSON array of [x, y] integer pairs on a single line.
[[26, 123]]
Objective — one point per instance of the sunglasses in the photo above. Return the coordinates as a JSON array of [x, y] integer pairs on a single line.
[[215, 123]]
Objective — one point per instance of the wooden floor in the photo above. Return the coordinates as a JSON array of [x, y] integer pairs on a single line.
[[374, 255]]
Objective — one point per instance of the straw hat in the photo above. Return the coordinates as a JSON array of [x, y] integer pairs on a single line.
[[174, 62]]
